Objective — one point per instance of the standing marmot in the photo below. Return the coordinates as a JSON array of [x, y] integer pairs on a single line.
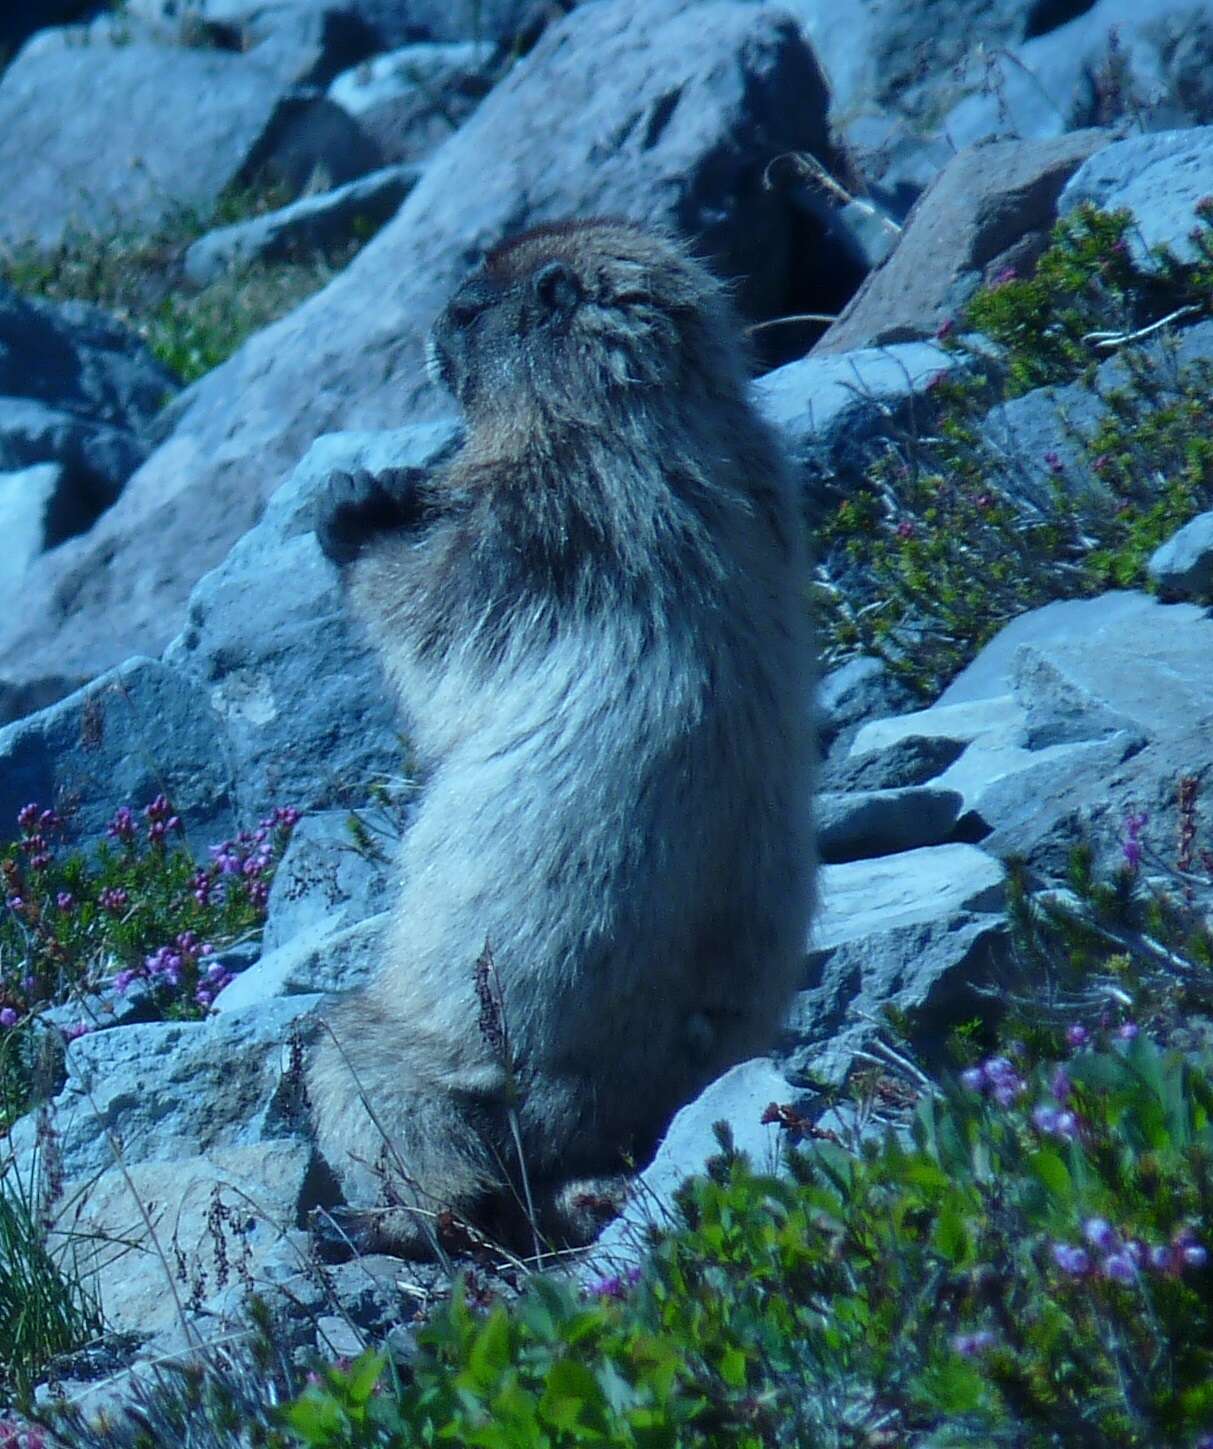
[[595, 620]]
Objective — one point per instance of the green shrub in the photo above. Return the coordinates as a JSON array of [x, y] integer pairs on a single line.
[[933, 550], [139, 279], [137, 910]]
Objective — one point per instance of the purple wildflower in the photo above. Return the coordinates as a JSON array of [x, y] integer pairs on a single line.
[[1118, 1267], [122, 826], [1077, 1036], [970, 1345], [1070, 1259], [65, 900], [8, 1017], [1100, 1234], [1131, 847]]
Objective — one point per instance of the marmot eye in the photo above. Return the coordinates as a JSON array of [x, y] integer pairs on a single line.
[[556, 286]]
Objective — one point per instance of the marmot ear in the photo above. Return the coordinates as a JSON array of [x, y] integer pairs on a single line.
[[557, 287]]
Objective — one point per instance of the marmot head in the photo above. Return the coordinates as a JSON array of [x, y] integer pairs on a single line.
[[569, 318]]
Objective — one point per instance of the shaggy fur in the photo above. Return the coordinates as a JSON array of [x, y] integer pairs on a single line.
[[595, 621]]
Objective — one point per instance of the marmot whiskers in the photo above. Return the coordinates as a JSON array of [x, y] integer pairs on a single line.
[[595, 621]]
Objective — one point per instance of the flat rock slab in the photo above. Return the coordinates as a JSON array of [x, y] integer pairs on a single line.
[[865, 898], [869, 823], [313, 224], [829, 408]]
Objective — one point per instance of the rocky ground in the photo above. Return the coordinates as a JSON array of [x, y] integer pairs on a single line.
[[174, 627]]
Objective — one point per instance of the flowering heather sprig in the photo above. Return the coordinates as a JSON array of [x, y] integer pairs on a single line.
[[995, 1077], [122, 826], [1131, 847], [616, 1285], [178, 969], [972, 1345], [1121, 1259], [8, 1016], [114, 900]]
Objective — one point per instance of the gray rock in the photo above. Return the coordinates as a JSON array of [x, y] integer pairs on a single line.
[[410, 100], [324, 881], [909, 760], [928, 971], [830, 409], [95, 460], [1043, 440], [140, 729], [739, 1098], [1094, 624], [861, 689], [192, 122], [962, 233], [1144, 63], [271, 645], [883, 822], [1159, 178], [26, 501], [916, 930], [1183, 566], [170, 1090], [314, 224], [994, 718], [315, 961], [679, 112], [190, 1223], [77, 390], [80, 359]]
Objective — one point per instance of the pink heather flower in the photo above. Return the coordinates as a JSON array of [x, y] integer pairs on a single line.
[[65, 900], [122, 826], [1053, 462], [1132, 847], [1102, 462], [123, 980], [40, 861], [74, 1033], [1160, 1258], [114, 899], [1128, 1030], [1060, 1085], [16, 904], [1077, 1035], [905, 529], [973, 1079], [156, 832], [1070, 1259], [984, 501], [1118, 1267], [159, 809], [28, 815], [49, 820], [8, 1017], [1100, 1234]]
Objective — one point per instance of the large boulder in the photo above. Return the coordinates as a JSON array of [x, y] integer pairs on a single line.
[[192, 122], [671, 115], [991, 207]]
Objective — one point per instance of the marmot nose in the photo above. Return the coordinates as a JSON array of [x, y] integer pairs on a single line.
[[469, 302]]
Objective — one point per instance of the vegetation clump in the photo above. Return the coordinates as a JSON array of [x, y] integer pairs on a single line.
[[948, 535], [137, 912], [140, 280]]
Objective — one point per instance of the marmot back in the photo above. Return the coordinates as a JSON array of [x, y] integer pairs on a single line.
[[595, 619]]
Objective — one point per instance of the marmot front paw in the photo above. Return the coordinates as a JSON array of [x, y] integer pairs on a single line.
[[357, 506]]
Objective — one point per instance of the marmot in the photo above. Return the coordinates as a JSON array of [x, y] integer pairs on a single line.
[[595, 619]]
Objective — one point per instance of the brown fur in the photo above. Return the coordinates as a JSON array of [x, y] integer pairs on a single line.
[[596, 627]]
